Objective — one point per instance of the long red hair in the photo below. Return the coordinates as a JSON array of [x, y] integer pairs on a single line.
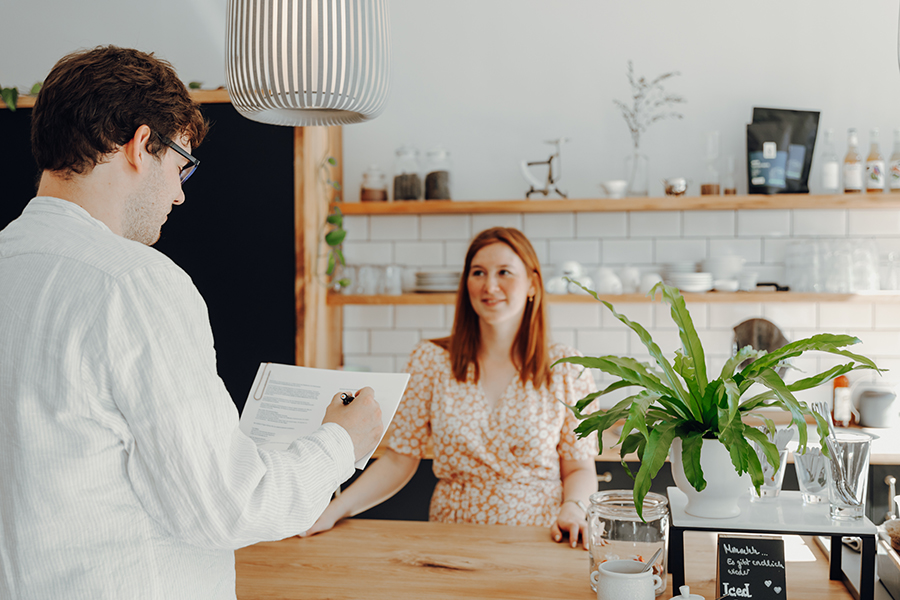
[[529, 352]]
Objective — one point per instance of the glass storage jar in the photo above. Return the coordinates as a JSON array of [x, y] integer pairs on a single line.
[[615, 531], [407, 180], [437, 178], [374, 186]]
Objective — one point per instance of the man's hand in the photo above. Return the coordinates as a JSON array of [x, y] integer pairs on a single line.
[[361, 418]]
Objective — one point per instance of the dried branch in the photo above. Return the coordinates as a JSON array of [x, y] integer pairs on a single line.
[[650, 103]]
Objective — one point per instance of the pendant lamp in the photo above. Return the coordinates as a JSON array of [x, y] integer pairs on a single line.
[[308, 62]]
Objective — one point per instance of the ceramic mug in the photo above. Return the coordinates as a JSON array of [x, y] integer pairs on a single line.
[[617, 579]]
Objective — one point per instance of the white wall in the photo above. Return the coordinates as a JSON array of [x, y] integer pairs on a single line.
[[493, 79]]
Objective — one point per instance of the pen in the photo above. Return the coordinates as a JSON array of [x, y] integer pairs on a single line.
[[346, 398]]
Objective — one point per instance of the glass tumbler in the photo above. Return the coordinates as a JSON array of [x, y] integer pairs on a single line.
[[848, 474], [615, 531], [772, 478], [811, 475]]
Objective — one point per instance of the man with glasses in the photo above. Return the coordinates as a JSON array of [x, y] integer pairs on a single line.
[[123, 473]]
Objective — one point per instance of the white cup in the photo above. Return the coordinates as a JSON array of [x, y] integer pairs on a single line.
[[618, 579]]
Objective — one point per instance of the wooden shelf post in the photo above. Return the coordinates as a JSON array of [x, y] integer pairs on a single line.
[[318, 324]]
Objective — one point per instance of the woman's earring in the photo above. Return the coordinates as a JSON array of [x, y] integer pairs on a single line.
[[530, 298]]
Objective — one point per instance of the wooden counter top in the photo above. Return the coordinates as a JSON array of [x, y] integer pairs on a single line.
[[386, 560]]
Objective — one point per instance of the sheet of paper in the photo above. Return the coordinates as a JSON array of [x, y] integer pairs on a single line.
[[287, 402]]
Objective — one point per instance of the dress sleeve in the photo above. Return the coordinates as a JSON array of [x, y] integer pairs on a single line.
[[189, 464], [576, 384], [411, 431]]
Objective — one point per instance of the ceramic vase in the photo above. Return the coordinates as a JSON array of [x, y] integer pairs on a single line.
[[723, 485]]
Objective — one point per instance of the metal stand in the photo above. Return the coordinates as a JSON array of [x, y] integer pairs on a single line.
[[758, 518]]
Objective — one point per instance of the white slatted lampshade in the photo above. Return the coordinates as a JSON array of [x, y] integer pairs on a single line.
[[308, 62]]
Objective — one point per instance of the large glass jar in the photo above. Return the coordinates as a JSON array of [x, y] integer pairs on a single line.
[[615, 531], [437, 178], [407, 178], [374, 186]]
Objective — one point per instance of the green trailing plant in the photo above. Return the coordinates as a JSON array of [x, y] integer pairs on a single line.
[[678, 400], [334, 226], [10, 97]]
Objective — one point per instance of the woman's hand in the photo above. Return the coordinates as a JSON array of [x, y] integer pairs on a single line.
[[572, 521], [325, 522]]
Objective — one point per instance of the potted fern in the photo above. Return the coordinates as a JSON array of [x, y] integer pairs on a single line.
[[679, 408]]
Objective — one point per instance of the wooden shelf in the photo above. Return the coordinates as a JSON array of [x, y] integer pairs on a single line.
[[710, 297], [219, 96], [753, 202]]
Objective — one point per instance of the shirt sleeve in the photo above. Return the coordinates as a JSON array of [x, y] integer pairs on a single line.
[[412, 423], [191, 467], [576, 384]]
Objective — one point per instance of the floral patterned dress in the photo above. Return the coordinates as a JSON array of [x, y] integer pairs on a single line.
[[500, 467]]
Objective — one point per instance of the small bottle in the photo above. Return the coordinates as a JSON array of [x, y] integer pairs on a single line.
[[729, 187], [894, 169], [407, 181], [437, 174], [874, 165], [841, 403], [710, 185], [374, 186], [831, 167], [853, 167]]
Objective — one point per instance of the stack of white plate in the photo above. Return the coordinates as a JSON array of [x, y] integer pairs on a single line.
[[691, 282], [438, 280], [682, 266]]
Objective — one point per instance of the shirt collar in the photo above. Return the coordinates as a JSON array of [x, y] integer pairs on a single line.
[[49, 204]]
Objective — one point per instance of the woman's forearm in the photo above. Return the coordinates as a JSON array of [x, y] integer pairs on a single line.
[[381, 480], [579, 479]]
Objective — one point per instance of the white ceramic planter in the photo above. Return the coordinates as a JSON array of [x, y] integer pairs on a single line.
[[723, 485]]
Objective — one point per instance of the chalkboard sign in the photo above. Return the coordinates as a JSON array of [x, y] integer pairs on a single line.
[[751, 567]]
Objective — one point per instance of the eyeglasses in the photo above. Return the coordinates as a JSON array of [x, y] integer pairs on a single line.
[[188, 169]]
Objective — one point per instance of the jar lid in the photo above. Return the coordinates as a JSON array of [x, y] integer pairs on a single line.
[[438, 152], [619, 504], [407, 151]]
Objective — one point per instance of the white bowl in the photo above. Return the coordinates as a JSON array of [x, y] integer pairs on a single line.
[[615, 188], [726, 285]]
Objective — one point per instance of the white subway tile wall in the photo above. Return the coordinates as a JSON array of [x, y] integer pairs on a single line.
[[379, 338]]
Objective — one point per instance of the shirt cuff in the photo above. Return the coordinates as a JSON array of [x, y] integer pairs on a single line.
[[344, 456]]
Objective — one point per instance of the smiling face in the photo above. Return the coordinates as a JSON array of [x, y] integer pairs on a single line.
[[499, 285], [147, 209]]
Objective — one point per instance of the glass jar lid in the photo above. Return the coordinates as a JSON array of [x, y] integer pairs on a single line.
[[619, 505]]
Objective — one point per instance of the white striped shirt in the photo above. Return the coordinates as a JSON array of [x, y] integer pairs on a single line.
[[123, 473]]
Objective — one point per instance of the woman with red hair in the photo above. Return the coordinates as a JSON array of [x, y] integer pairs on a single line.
[[490, 406]]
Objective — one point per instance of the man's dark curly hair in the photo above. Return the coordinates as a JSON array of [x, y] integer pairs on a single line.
[[93, 102]]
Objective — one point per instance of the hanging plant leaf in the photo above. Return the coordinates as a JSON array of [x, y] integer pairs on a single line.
[[334, 238], [10, 97]]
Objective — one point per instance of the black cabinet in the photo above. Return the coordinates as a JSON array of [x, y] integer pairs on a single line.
[[234, 234]]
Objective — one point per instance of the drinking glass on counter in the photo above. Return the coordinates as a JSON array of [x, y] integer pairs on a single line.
[[848, 474], [772, 478], [616, 532], [812, 477]]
